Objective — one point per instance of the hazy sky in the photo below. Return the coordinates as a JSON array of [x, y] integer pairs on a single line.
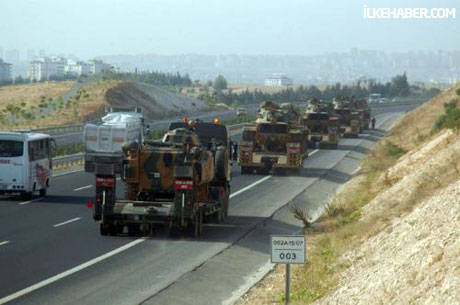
[[90, 28]]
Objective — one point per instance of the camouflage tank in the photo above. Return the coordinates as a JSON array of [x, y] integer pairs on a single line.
[[362, 107], [179, 180], [323, 128], [275, 141], [349, 119]]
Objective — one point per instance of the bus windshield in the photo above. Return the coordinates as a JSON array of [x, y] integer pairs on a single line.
[[9, 148]]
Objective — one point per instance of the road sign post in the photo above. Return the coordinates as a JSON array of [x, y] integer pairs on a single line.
[[287, 249]]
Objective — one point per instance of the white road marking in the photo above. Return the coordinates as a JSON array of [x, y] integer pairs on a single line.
[[313, 152], [66, 222], [119, 178], [33, 200], [244, 189], [4, 242], [82, 188], [64, 274]]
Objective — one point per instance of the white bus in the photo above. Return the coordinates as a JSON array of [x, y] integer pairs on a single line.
[[25, 163]]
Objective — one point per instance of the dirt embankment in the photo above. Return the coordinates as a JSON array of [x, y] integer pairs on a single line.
[[64, 103], [156, 102], [414, 259]]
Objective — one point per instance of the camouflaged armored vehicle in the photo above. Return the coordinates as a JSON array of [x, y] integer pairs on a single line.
[[323, 127], [178, 181], [362, 107], [350, 120], [275, 141]]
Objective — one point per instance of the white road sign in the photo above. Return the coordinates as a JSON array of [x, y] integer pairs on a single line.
[[287, 249]]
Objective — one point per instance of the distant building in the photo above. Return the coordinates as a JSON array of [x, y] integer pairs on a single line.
[[5, 71], [276, 80], [97, 66], [46, 67], [43, 68]]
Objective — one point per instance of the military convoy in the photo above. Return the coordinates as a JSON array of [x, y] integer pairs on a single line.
[[275, 141], [180, 181], [183, 180]]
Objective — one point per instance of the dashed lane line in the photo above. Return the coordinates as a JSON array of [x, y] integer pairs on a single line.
[[66, 222], [33, 200], [82, 188]]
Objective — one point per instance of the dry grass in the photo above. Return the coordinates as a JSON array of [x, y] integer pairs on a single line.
[[30, 93], [87, 104]]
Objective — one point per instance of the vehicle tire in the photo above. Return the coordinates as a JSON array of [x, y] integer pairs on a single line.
[[134, 229], [174, 231], [220, 165], [27, 195], [43, 192], [244, 170], [113, 229], [103, 229]]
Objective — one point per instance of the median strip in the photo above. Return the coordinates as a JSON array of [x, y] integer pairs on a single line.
[[66, 222]]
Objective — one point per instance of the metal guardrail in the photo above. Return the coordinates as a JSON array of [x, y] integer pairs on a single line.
[[69, 160], [60, 129]]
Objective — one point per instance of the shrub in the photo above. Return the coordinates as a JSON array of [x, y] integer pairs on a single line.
[[450, 119], [394, 150]]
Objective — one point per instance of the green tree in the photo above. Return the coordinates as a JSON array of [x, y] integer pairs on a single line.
[[220, 83]]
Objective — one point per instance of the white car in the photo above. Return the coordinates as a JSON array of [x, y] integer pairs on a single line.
[[384, 100], [241, 112]]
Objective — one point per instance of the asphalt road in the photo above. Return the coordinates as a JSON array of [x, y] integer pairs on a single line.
[[51, 251]]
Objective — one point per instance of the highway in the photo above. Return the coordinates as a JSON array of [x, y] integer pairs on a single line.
[[51, 251]]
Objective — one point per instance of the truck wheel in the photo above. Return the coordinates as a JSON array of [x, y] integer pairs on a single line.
[[27, 195], [103, 230], [174, 231], [195, 227], [221, 163], [244, 170], [134, 229], [113, 230], [43, 192]]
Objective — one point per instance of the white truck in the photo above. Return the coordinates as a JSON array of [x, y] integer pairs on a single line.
[[103, 141]]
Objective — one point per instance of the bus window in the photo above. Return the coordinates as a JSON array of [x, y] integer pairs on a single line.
[[11, 148]]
